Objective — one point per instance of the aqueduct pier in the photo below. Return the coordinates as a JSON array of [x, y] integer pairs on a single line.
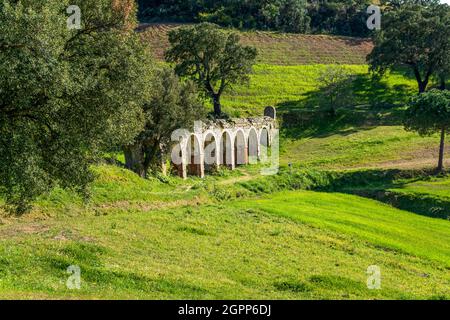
[[229, 143]]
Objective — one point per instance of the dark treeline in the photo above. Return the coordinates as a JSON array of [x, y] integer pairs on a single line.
[[343, 17]]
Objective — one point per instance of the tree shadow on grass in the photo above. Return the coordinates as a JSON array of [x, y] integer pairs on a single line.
[[373, 102], [386, 185]]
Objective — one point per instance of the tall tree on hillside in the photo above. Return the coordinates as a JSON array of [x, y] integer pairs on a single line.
[[173, 105], [429, 113], [65, 94], [415, 34], [335, 83], [212, 57]]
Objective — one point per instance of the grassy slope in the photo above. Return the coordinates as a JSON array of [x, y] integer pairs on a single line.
[[367, 219], [279, 48], [221, 250], [366, 135], [146, 239], [437, 187], [286, 77]]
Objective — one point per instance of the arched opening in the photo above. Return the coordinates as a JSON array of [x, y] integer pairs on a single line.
[[226, 158], [240, 149], [252, 146], [211, 153], [195, 164], [264, 145]]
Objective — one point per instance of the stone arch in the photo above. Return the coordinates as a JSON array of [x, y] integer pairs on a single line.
[[253, 146], [211, 151], [240, 148], [226, 150], [264, 143], [179, 156], [179, 168], [194, 152]]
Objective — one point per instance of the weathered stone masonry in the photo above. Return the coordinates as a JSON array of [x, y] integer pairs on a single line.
[[227, 143]]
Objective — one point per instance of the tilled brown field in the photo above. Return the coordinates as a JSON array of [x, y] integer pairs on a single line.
[[280, 48]]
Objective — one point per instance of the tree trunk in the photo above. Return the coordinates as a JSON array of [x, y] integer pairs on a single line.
[[134, 159], [422, 86], [332, 107], [442, 83], [440, 167], [217, 106], [150, 155]]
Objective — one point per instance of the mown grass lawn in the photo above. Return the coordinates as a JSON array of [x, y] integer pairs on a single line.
[[434, 186], [380, 225], [302, 245]]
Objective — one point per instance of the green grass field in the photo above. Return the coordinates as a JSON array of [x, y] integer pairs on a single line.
[[438, 187], [301, 245], [367, 133], [277, 48], [288, 87], [239, 235]]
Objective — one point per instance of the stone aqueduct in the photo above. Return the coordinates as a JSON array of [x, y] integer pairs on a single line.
[[229, 143]]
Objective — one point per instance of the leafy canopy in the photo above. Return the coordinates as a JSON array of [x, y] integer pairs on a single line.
[[343, 17], [65, 95], [429, 112], [173, 105], [212, 57], [415, 34]]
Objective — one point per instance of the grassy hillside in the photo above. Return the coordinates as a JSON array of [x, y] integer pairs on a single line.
[[297, 87], [384, 227], [367, 133], [435, 186], [238, 235], [280, 48], [301, 245]]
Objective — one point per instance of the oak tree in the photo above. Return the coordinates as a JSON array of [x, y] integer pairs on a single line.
[[413, 34], [65, 94], [429, 113], [212, 57], [174, 104]]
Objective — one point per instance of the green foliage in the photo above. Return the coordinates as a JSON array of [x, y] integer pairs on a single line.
[[299, 16], [281, 15], [340, 235], [173, 105], [339, 17], [429, 112], [365, 219], [336, 83], [65, 94], [415, 34], [213, 58]]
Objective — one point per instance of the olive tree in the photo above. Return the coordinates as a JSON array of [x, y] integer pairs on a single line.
[[212, 57], [429, 113], [173, 105]]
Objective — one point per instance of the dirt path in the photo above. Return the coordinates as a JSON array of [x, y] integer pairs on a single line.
[[246, 177]]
